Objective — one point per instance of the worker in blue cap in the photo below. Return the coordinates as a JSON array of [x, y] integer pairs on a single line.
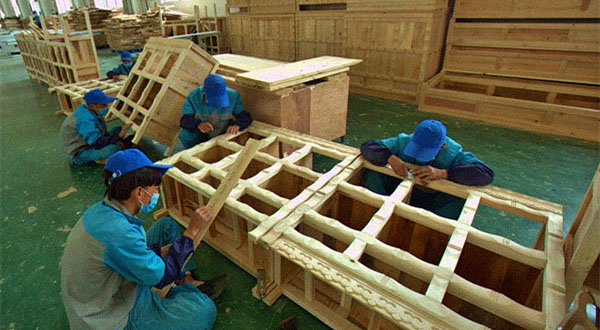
[[123, 70], [436, 157], [36, 18], [210, 110], [85, 137], [110, 263]]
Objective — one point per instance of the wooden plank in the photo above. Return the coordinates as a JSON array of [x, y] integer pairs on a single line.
[[290, 74], [526, 9]]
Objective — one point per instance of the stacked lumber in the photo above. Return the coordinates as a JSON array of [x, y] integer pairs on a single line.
[[158, 84], [359, 260], [400, 42], [127, 32], [11, 23], [522, 65], [97, 17]]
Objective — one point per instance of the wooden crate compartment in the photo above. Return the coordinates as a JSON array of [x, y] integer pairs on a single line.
[[547, 107], [526, 9], [567, 66], [287, 184], [158, 85]]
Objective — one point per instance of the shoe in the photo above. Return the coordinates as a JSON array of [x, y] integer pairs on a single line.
[[214, 287], [287, 324]]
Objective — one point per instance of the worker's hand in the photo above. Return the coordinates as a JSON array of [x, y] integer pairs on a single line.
[[199, 218], [398, 166], [117, 77], [233, 129], [205, 127], [165, 250], [425, 174], [124, 130]]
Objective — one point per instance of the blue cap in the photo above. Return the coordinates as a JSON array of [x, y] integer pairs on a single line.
[[125, 56], [216, 91], [125, 161], [427, 140], [97, 96]]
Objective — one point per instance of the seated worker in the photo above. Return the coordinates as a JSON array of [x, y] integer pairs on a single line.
[[436, 156], [211, 110], [84, 134], [122, 71], [110, 263]]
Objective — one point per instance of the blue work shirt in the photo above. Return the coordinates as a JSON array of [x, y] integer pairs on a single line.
[[196, 106]]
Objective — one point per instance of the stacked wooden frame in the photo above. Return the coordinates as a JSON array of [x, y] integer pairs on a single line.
[[400, 42], [159, 82], [70, 96], [532, 65], [59, 58], [358, 260]]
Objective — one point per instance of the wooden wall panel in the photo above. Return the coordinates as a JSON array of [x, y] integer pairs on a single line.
[[526, 8]]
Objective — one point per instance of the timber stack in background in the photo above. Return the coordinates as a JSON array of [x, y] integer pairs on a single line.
[[97, 17]]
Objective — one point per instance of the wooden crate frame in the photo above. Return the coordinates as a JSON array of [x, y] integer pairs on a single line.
[[309, 271], [159, 82], [526, 9], [546, 107], [582, 245], [70, 96], [59, 58], [258, 198]]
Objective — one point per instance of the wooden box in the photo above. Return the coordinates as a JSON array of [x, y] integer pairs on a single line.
[[160, 81], [264, 36], [70, 96], [358, 260], [526, 9], [304, 107], [539, 106], [272, 6]]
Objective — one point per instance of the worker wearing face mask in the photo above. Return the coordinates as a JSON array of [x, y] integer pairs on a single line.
[[84, 134], [110, 263], [123, 70]]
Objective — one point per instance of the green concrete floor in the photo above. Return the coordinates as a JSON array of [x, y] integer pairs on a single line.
[[34, 222]]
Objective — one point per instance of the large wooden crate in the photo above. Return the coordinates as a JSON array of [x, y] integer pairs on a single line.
[[70, 96], [304, 107], [59, 58], [358, 260], [264, 36], [540, 106], [526, 8], [160, 81]]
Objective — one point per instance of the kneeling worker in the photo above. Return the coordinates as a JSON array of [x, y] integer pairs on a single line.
[[110, 263], [84, 135], [436, 156], [211, 110], [123, 70]]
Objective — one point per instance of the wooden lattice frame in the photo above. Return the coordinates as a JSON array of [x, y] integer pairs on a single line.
[[206, 23], [157, 86], [294, 260], [59, 58], [71, 95]]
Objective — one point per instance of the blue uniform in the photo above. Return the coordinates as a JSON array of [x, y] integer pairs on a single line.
[[196, 111], [463, 168], [109, 267], [120, 70], [85, 137]]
